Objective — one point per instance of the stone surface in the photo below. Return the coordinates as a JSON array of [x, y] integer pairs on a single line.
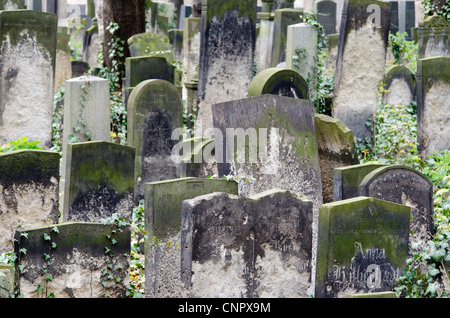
[[81, 260], [433, 37], [362, 247], [163, 226], [258, 247], [27, 66], [361, 63], [400, 84], [337, 149], [142, 68], [29, 184], [63, 65], [6, 281], [155, 109], [226, 54], [280, 82], [147, 44], [99, 181], [326, 15]]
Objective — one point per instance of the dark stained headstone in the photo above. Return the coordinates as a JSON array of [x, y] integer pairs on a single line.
[[257, 247], [326, 15]]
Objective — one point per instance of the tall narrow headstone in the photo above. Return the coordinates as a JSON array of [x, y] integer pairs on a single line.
[[163, 226], [27, 70], [362, 247], [327, 15], [99, 181], [266, 27], [226, 54], [29, 183], [63, 66], [361, 62], [433, 120], [258, 247], [155, 109]]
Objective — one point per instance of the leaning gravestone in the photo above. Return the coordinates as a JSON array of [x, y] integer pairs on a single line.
[[337, 149], [257, 247], [226, 54], [27, 69], [433, 89], [362, 247], [280, 82], [405, 186], [163, 226], [99, 181], [155, 110], [73, 260], [400, 86], [361, 62], [29, 186]]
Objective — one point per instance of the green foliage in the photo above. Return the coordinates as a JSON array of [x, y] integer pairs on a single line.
[[405, 52], [20, 144], [431, 7], [58, 111]]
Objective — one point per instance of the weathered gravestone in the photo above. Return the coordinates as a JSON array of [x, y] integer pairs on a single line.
[[176, 41], [387, 294], [434, 37], [362, 246], [346, 180], [63, 66], [400, 86], [327, 15], [99, 181], [405, 186], [265, 37], [6, 281], [301, 53], [336, 149], [11, 5], [361, 62], [226, 54], [155, 110], [73, 260], [163, 226], [29, 184], [257, 247], [403, 17], [150, 44], [199, 160], [27, 69], [433, 119], [280, 82], [332, 52]]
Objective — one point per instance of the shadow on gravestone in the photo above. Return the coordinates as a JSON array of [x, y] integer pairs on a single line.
[[257, 247], [99, 181], [29, 183], [155, 110], [362, 247], [163, 226]]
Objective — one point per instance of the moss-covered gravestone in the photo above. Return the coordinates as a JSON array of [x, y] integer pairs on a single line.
[[337, 149], [434, 37], [400, 86], [362, 247], [363, 41], [27, 66], [73, 260], [163, 226], [99, 181], [257, 247], [433, 118], [155, 110], [281, 82], [404, 185], [29, 187], [226, 54], [150, 44], [346, 180]]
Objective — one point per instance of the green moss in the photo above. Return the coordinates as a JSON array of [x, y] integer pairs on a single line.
[[435, 69], [217, 8]]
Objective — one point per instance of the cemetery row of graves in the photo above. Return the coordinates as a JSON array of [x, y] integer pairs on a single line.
[[243, 155]]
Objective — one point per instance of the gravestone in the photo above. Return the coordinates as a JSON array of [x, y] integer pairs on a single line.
[[403, 17], [387, 294], [73, 260], [6, 281], [361, 62], [346, 180], [79, 68], [99, 181], [301, 53], [265, 37], [163, 225], [362, 247], [404, 185], [257, 247], [11, 5], [28, 49], [326, 15], [332, 52], [283, 19], [280, 82], [176, 40], [155, 109], [148, 44], [226, 54], [433, 37], [29, 184], [63, 66], [199, 159], [400, 86], [433, 88], [394, 28], [337, 149]]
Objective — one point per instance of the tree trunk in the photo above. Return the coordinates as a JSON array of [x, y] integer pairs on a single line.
[[130, 16]]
